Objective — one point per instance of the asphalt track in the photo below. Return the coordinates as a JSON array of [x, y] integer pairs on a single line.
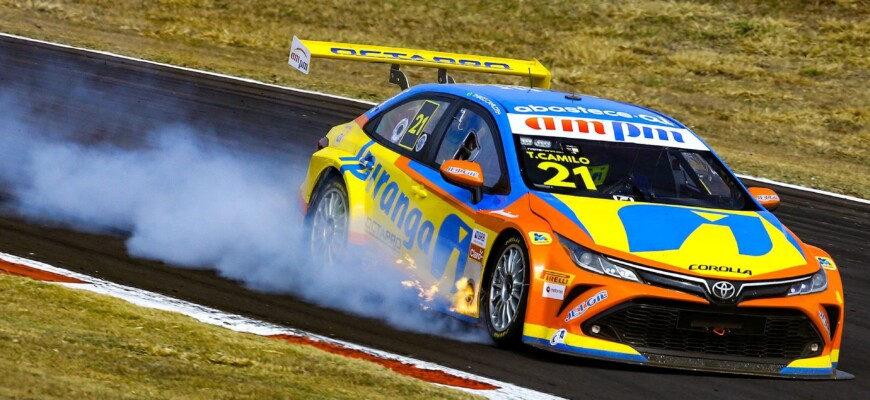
[[286, 124]]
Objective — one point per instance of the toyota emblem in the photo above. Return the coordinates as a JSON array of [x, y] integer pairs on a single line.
[[724, 290]]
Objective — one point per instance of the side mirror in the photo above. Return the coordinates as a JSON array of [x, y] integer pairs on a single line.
[[768, 198], [465, 174]]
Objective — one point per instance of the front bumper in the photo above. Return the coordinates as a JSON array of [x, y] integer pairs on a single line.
[[641, 323], [731, 353], [816, 368]]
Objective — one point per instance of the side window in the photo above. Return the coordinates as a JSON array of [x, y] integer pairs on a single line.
[[410, 125], [710, 180], [471, 138]]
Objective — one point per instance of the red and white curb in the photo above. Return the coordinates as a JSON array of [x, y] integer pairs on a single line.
[[423, 370]]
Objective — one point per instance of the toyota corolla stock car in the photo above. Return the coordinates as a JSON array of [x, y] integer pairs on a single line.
[[577, 225]]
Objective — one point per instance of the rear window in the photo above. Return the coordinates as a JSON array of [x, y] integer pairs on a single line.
[[409, 125]]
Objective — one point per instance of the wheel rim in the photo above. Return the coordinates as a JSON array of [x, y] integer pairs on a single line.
[[329, 226], [506, 288]]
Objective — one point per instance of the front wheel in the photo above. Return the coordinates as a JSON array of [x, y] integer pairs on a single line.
[[507, 283], [328, 222]]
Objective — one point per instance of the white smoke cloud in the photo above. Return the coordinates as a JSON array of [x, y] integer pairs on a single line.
[[193, 202]]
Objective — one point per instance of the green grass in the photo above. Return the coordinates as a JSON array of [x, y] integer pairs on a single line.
[[779, 88], [59, 343]]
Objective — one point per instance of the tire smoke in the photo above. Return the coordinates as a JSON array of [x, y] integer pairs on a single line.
[[194, 202]]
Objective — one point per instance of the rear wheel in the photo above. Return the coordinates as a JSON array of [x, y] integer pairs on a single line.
[[328, 222], [507, 286]]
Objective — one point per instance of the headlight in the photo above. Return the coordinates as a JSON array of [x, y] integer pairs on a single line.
[[816, 283], [592, 261]]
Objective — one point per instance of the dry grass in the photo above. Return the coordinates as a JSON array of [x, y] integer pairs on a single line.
[[779, 88], [57, 343]]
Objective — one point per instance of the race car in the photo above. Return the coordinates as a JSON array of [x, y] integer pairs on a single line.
[[570, 223]]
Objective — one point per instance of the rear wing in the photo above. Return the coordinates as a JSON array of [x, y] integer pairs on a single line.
[[538, 75]]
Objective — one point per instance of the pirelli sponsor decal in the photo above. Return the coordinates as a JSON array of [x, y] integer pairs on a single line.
[[559, 278]]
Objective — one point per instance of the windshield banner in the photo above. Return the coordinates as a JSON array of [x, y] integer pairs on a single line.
[[604, 130]]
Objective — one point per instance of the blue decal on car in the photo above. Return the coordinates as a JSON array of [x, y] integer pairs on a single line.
[[768, 216], [643, 225], [563, 209]]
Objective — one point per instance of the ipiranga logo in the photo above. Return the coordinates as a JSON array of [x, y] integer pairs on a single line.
[[300, 57]]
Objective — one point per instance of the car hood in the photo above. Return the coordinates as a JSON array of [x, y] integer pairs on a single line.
[[697, 241]]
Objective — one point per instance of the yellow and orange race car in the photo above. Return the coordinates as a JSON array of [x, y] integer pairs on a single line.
[[571, 223]]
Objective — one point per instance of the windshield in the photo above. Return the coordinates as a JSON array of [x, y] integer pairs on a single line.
[[628, 172]]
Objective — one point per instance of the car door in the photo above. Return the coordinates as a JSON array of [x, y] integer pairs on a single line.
[[456, 254], [402, 137]]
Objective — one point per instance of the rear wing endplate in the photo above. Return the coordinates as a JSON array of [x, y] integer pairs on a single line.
[[538, 75]]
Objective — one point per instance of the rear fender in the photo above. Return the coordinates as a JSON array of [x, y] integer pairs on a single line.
[[347, 143], [322, 163]]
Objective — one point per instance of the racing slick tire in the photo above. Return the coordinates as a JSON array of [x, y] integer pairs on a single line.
[[328, 220], [506, 292]]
